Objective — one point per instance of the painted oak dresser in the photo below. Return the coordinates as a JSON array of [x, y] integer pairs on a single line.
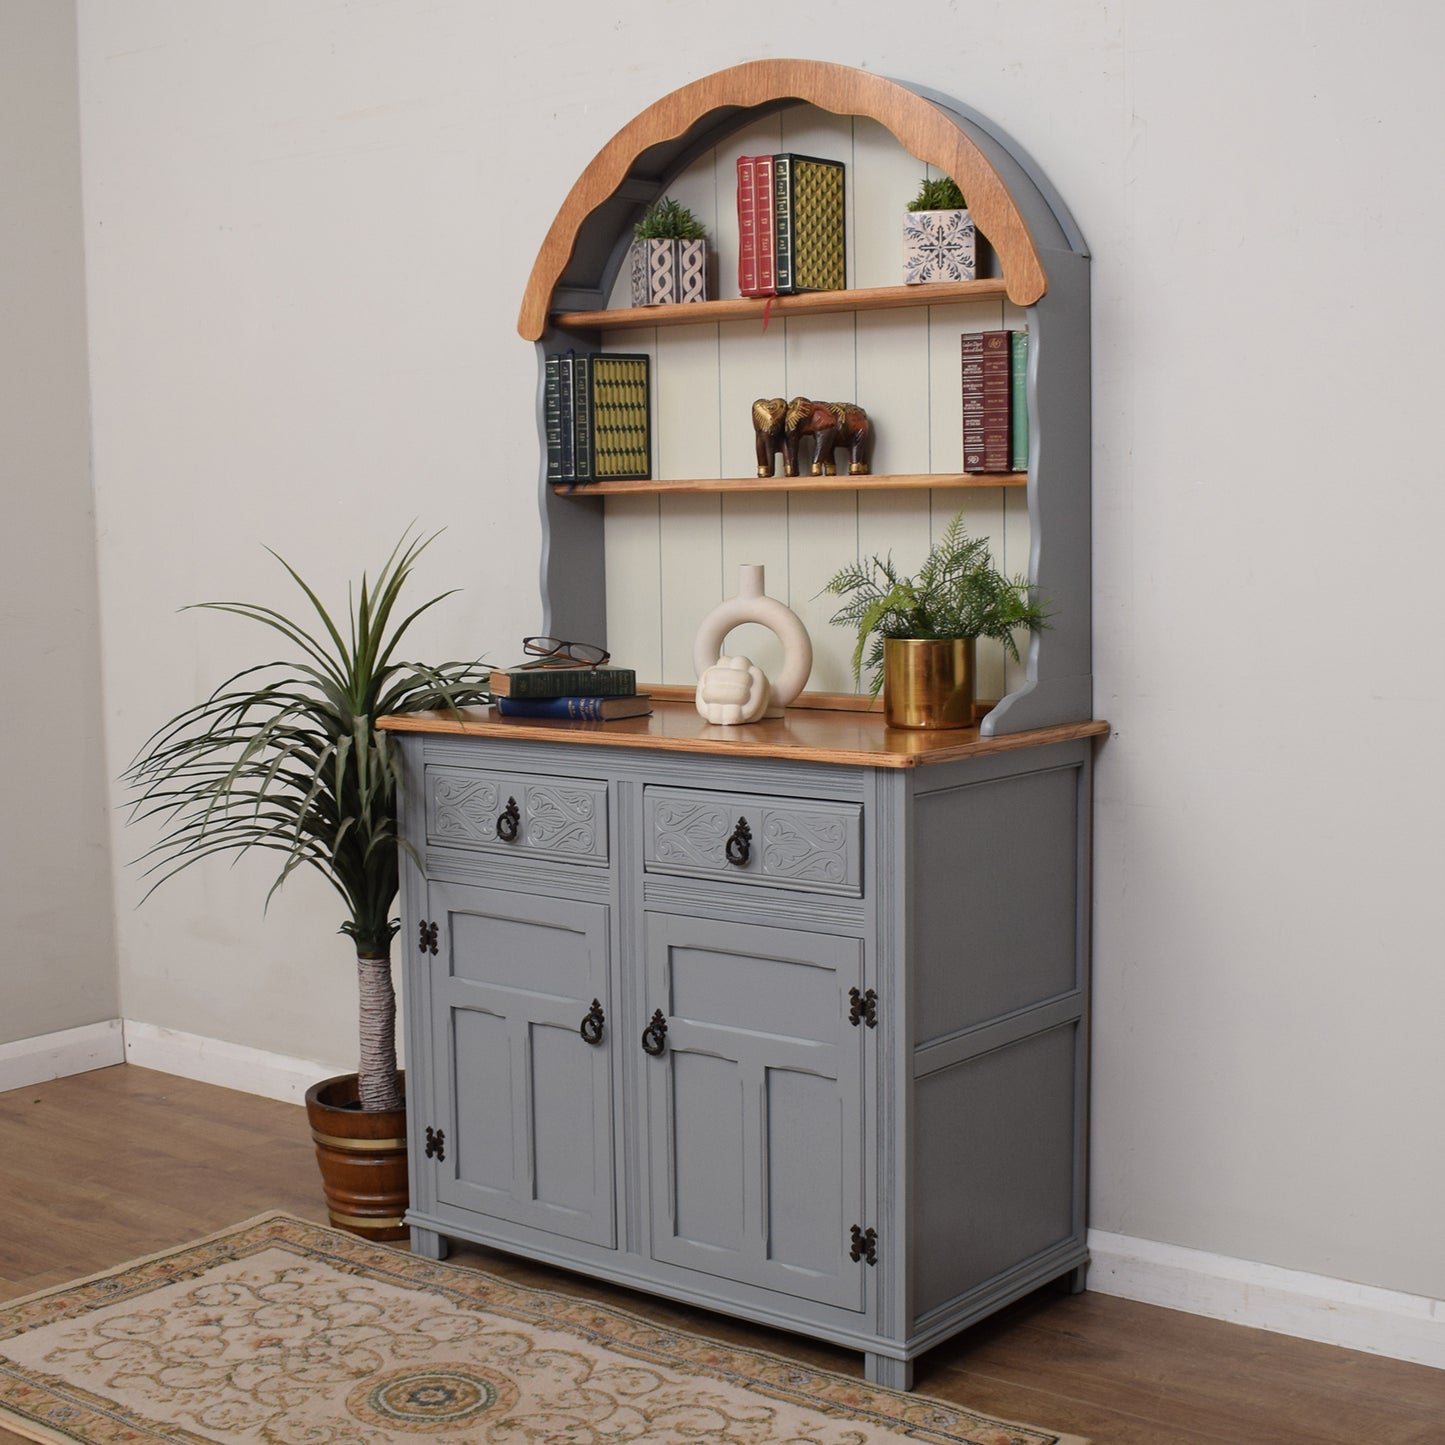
[[787, 1020]]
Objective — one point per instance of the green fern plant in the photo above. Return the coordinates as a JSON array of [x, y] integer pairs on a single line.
[[285, 756], [941, 194], [957, 592], [669, 220]]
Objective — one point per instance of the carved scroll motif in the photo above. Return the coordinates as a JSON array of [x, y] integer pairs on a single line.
[[806, 848], [465, 809]]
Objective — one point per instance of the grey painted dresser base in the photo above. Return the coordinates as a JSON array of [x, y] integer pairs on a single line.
[[866, 1118]]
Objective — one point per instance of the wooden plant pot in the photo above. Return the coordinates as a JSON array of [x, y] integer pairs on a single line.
[[928, 683], [668, 273], [362, 1158], [938, 246]]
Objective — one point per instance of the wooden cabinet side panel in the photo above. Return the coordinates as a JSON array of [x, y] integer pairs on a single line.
[[998, 969], [994, 1182]]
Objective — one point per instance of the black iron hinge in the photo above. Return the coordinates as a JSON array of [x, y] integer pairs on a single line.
[[863, 1008], [436, 1143], [864, 1245], [428, 940]]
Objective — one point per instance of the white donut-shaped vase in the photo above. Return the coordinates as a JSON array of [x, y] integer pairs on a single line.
[[752, 605]]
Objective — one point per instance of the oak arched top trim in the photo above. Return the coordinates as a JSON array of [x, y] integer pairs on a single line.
[[918, 124]]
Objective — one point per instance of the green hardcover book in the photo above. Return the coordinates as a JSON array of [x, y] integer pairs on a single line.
[[1018, 401], [520, 682], [808, 215], [621, 422]]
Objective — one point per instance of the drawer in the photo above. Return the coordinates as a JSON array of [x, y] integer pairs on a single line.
[[796, 843], [560, 819]]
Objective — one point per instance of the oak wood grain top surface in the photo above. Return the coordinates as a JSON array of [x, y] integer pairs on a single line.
[[802, 735]]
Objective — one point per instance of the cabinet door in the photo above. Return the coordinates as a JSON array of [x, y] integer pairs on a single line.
[[755, 1105], [529, 1100]]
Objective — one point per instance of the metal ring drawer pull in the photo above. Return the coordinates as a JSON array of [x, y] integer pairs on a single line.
[[739, 846], [591, 1029], [654, 1036], [509, 822]]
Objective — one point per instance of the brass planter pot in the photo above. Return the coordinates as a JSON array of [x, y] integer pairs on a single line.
[[928, 683], [363, 1160]]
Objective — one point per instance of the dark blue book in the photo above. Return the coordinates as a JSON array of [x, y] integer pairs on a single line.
[[576, 709]]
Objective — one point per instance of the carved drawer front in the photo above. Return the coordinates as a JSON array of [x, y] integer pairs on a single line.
[[753, 838], [561, 819]]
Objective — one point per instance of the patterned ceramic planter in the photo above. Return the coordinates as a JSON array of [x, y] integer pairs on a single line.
[[937, 246], [668, 272]]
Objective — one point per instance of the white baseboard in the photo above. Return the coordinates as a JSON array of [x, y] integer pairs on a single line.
[[1266, 1297], [53, 1056], [232, 1066]]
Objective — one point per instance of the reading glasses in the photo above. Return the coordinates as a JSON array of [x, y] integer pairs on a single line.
[[555, 652]]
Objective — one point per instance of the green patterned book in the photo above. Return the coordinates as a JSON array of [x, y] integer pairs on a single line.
[[620, 430], [809, 241]]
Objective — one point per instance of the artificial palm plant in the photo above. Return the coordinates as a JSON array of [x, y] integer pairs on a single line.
[[286, 756]]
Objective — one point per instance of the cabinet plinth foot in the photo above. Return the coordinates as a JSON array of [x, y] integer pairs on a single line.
[[428, 1243], [886, 1371]]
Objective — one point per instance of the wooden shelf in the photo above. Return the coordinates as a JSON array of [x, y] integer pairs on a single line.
[[843, 483], [811, 303], [924, 129], [806, 735]]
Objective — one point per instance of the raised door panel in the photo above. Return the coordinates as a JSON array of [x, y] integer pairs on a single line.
[[528, 1133], [755, 1105]]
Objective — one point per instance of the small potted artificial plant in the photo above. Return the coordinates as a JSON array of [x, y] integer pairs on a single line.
[[286, 756], [938, 235], [669, 255], [917, 634]]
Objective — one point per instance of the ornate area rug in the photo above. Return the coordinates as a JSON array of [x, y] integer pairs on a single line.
[[282, 1332]]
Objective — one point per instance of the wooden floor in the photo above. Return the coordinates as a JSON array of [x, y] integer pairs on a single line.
[[103, 1167]]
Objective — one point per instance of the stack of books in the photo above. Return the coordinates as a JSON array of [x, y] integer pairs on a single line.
[[995, 403], [790, 225], [598, 418], [581, 694]]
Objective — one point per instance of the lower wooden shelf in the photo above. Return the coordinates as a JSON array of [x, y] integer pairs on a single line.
[[885, 482]]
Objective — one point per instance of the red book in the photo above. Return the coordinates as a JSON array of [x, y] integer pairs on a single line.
[[987, 377], [767, 284], [747, 229]]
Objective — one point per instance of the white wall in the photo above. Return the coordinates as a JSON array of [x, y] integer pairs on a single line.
[[57, 968], [308, 229]]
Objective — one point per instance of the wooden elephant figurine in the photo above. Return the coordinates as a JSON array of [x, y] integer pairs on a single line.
[[768, 414], [831, 424]]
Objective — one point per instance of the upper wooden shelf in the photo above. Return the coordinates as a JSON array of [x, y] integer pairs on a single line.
[[920, 126], [881, 482], [810, 303]]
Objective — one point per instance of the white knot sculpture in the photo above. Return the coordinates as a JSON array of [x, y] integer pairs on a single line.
[[733, 690]]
